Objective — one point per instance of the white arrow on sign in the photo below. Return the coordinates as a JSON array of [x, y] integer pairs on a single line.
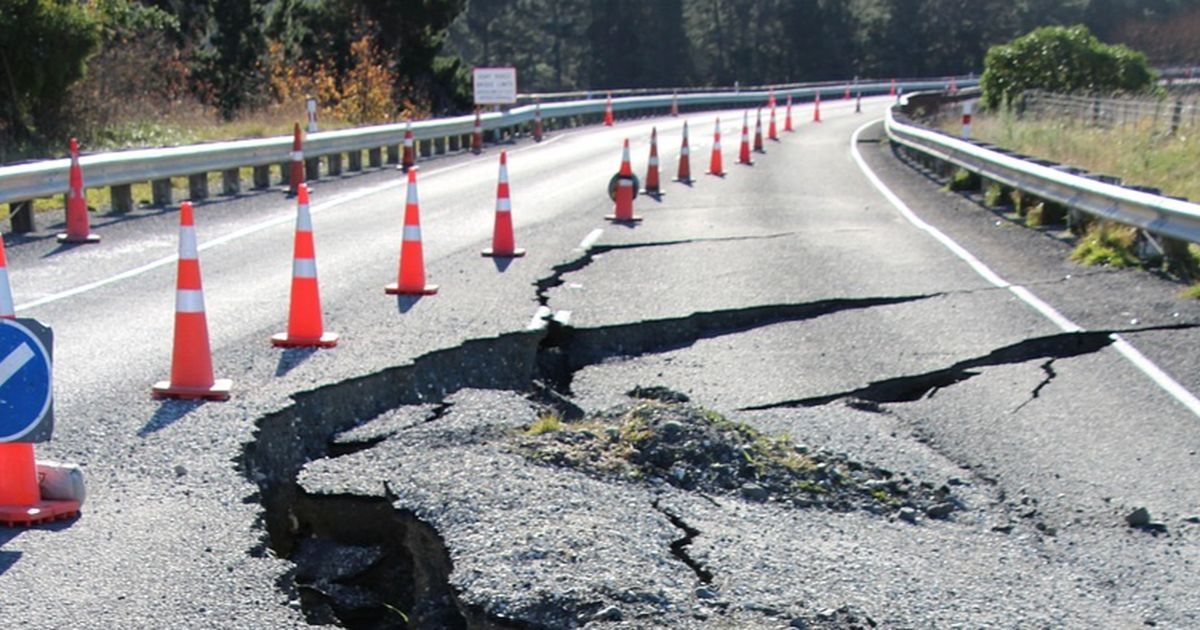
[[14, 361]]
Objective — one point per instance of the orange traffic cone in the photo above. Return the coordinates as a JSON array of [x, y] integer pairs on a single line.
[[537, 122], [608, 112], [744, 150], [652, 183], [502, 233], [297, 172], [304, 329], [684, 174], [714, 164], [892, 91], [846, 96], [771, 132], [191, 359], [758, 138], [20, 499], [78, 230], [675, 103], [953, 86], [787, 119], [771, 98], [409, 158], [477, 135], [623, 211], [817, 108], [411, 277]]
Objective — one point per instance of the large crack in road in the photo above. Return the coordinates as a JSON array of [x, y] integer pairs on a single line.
[[410, 585]]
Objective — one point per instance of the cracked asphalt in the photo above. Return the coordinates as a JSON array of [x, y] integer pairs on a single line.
[[789, 296]]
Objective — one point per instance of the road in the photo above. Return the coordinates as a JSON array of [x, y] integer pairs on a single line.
[[825, 293]]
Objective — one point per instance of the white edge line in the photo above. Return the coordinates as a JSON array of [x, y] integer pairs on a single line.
[[591, 239], [1139, 360], [287, 217]]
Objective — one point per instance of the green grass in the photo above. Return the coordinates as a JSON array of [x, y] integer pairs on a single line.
[[546, 423], [1139, 154], [1107, 243]]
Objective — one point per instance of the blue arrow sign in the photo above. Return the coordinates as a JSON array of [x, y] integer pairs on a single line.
[[25, 389]]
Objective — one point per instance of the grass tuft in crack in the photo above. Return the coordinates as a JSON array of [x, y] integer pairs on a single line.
[[661, 440]]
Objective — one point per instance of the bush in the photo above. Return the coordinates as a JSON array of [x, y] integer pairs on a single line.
[[1061, 59], [43, 47]]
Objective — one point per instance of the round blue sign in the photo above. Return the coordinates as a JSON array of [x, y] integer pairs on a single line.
[[25, 391]]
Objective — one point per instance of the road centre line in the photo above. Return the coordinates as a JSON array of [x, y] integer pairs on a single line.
[[283, 218], [1131, 354]]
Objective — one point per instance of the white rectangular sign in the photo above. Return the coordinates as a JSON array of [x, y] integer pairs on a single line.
[[495, 86]]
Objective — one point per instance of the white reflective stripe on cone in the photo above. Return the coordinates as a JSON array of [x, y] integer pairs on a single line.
[[297, 156], [303, 219], [412, 233], [187, 243], [654, 161], [408, 142], [6, 299], [625, 183], [503, 204], [304, 268], [684, 151], [412, 194], [188, 301]]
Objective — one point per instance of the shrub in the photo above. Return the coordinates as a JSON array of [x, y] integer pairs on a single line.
[[43, 47], [1107, 243], [1061, 59]]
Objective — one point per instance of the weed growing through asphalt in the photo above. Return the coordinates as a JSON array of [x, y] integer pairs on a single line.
[[1107, 243]]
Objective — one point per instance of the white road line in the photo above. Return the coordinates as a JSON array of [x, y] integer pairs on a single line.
[[1147, 367], [590, 239], [15, 361], [287, 217]]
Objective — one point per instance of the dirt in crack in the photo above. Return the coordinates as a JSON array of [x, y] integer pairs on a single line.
[[662, 438]]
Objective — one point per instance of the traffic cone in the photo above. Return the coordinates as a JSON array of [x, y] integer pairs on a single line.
[[684, 174], [304, 329], [78, 230], [675, 103], [892, 91], [608, 112], [409, 156], [411, 276], [953, 86], [771, 98], [771, 132], [744, 150], [787, 120], [846, 96], [502, 233], [477, 135], [714, 164], [858, 103], [537, 122], [758, 138], [20, 499], [297, 173], [623, 211], [817, 108], [191, 359], [652, 183]]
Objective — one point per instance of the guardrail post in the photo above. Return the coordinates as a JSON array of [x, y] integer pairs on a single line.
[[122, 198], [333, 163], [1177, 116], [262, 177], [439, 145], [355, 159], [375, 157], [455, 142], [424, 148], [198, 186], [160, 192], [231, 181], [312, 169], [20, 216], [1179, 258], [393, 154], [285, 173]]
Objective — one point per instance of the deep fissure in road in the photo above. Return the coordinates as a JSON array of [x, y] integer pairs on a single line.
[[409, 586]]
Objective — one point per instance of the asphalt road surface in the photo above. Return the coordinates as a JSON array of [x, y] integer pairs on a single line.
[[964, 372]]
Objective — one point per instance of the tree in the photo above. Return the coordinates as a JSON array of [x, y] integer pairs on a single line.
[[1063, 60], [44, 45]]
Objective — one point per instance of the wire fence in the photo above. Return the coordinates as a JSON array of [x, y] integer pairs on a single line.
[[1167, 115]]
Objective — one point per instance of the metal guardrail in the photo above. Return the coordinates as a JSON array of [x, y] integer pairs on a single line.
[[1156, 214], [35, 180]]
